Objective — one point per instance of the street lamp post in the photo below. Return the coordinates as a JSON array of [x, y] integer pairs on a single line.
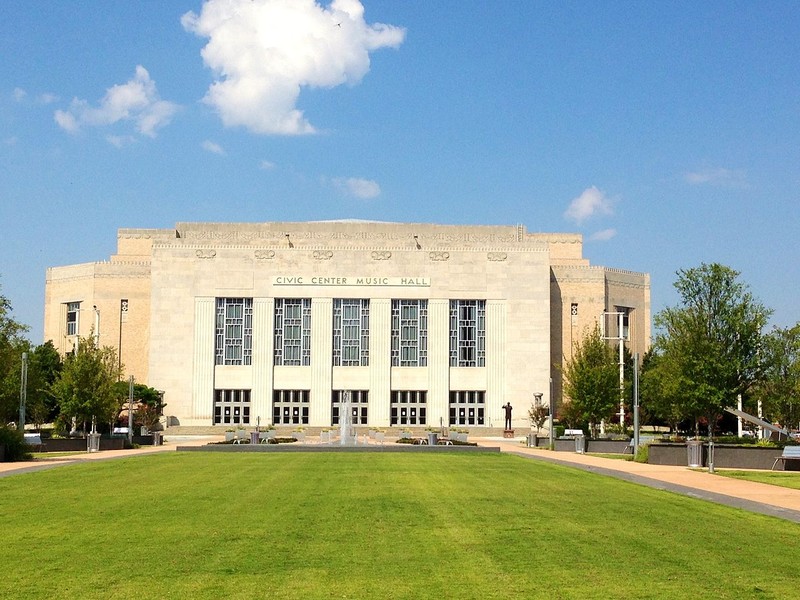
[[620, 338], [23, 391], [130, 410], [635, 403], [123, 310], [552, 416], [96, 326]]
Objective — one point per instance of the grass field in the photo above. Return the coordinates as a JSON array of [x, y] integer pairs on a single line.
[[196, 525], [789, 479]]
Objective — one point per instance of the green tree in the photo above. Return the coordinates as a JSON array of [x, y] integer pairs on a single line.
[[85, 388], [780, 389], [12, 344], [147, 403], [538, 413], [591, 379], [714, 338], [660, 390], [44, 367]]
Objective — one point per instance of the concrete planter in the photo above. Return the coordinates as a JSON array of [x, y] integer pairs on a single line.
[[565, 445], [79, 444], [726, 456], [607, 446]]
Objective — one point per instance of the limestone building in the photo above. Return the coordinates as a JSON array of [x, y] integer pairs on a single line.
[[272, 322]]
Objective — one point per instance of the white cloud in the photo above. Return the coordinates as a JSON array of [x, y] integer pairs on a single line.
[[47, 98], [119, 141], [591, 202], [603, 235], [263, 53], [19, 94], [137, 100], [716, 176], [266, 165], [365, 189], [212, 147]]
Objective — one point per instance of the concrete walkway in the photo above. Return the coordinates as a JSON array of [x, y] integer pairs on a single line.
[[756, 497]]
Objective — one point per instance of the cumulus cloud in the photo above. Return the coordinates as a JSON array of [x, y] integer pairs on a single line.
[[603, 235], [364, 189], [591, 202], [717, 176], [19, 94], [264, 52], [118, 141], [137, 100], [266, 165], [212, 147], [47, 98]]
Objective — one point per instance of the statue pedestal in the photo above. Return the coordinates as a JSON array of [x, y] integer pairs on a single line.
[[508, 433]]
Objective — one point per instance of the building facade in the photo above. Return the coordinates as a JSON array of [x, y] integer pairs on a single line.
[[423, 325]]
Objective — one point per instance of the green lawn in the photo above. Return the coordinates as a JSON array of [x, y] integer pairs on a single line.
[[197, 525], [789, 479]]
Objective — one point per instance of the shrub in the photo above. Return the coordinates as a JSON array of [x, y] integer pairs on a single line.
[[642, 454], [14, 443]]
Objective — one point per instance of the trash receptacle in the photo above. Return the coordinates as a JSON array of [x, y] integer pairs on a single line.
[[694, 450], [93, 442], [156, 438], [254, 437], [433, 438], [580, 444], [531, 440]]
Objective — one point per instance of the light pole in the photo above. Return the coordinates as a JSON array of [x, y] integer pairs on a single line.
[[130, 410], [620, 337], [123, 310], [635, 403], [23, 391], [552, 416], [96, 326]]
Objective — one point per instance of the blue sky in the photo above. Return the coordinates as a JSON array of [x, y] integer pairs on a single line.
[[667, 133]]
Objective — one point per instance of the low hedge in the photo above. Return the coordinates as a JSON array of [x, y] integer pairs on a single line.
[[13, 443]]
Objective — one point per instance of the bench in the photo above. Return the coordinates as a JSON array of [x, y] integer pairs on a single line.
[[643, 441], [789, 453], [33, 439]]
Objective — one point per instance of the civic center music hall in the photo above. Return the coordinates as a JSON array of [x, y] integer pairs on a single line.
[[239, 323]]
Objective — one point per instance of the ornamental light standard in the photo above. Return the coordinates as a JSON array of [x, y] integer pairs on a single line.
[[23, 391], [621, 337]]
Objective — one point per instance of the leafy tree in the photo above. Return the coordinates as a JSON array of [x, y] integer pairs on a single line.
[[85, 387], [660, 390], [591, 379], [538, 413], [148, 403], [12, 345], [780, 389], [44, 367], [713, 338]]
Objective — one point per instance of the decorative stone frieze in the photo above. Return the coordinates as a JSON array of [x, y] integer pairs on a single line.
[[381, 255], [322, 254], [497, 256], [264, 254], [439, 256], [206, 253]]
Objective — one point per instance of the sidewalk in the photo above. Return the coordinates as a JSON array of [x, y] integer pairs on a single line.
[[748, 495]]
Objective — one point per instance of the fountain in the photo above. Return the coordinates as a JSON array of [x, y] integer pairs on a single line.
[[346, 432]]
